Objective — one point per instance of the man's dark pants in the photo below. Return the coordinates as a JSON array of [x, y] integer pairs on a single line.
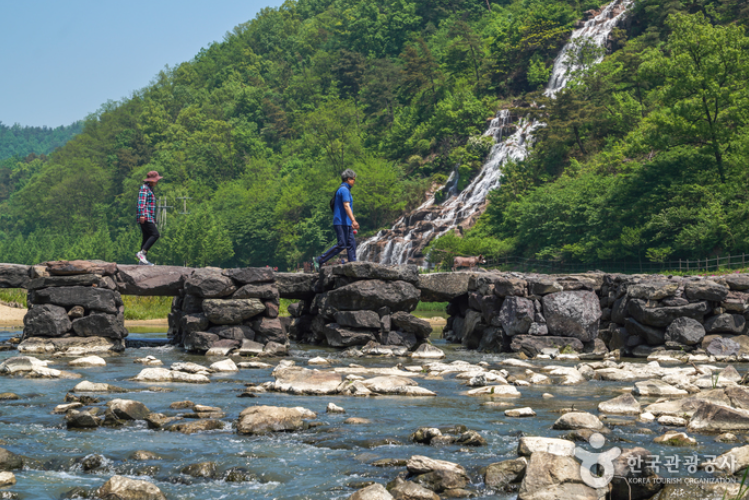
[[346, 242]]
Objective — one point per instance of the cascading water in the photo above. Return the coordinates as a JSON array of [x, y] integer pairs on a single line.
[[412, 232]]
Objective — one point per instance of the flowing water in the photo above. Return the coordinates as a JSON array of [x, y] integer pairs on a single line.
[[400, 243], [327, 462]]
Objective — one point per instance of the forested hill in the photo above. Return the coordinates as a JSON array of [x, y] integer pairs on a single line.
[[21, 141], [256, 129]]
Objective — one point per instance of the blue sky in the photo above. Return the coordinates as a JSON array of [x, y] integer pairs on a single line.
[[61, 60]]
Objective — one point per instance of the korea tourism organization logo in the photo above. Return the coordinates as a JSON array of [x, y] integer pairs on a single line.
[[597, 469]]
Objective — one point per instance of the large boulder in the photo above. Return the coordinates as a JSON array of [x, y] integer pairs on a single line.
[[200, 341], [266, 419], [297, 286], [14, 276], [266, 291], [370, 270], [231, 311], [532, 345], [443, 287], [372, 492], [358, 319], [663, 316], [296, 380], [516, 315], [10, 461], [269, 330], [340, 336], [71, 346], [75, 280], [46, 320], [649, 334], [653, 290], [549, 476], [715, 418], [634, 477], [685, 331], [720, 346], [374, 294], [410, 324], [706, 290], [100, 325], [726, 323], [123, 488], [71, 267], [127, 409], [233, 332], [152, 281], [209, 284], [502, 474], [98, 299], [573, 314], [250, 275]]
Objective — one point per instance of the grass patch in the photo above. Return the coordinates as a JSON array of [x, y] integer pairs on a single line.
[[431, 306], [144, 308], [283, 309], [13, 295]]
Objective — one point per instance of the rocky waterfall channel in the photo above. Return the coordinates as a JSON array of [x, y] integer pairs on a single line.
[[355, 396]]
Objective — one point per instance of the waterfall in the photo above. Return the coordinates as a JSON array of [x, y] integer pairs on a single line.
[[411, 233]]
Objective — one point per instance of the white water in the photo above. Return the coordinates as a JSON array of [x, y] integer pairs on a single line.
[[515, 147]]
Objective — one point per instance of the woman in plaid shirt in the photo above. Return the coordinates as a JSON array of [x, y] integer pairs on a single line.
[[147, 215]]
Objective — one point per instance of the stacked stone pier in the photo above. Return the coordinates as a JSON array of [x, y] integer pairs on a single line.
[[356, 304]]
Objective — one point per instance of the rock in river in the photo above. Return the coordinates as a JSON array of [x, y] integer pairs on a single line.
[[265, 419], [122, 488]]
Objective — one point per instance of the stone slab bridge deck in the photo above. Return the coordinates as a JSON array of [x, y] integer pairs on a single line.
[[76, 307]]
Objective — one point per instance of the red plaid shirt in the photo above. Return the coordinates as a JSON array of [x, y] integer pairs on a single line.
[[146, 204]]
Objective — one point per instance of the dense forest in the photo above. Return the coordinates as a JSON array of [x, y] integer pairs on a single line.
[[19, 142], [643, 155]]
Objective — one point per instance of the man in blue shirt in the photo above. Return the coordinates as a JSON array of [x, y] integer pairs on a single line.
[[344, 221]]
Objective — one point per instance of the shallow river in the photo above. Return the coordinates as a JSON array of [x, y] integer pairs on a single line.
[[327, 462]]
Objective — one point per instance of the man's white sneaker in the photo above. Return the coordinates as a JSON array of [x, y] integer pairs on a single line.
[[142, 258]]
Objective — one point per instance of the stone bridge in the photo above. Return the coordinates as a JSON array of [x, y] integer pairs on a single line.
[[76, 307]]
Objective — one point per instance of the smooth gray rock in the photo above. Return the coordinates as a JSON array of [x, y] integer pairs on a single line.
[[651, 335], [723, 347], [46, 320], [705, 290], [358, 319], [339, 336], [14, 276], [209, 284], [410, 324], [373, 294], [233, 332], [269, 330], [543, 286], [685, 331], [516, 315], [532, 345], [71, 267], [200, 341], [231, 311], [737, 282], [100, 325], [502, 474], [370, 270], [152, 280], [257, 291], [76, 280], [190, 323], [297, 286], [250, 275], [663, 316], [573, 314], [443, 287], [726, 323], [98, 299]]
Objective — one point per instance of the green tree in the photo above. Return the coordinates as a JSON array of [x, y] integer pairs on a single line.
[[704, 69]]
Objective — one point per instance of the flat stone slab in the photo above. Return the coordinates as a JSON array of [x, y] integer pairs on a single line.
[[152, 280], [71, 346]]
